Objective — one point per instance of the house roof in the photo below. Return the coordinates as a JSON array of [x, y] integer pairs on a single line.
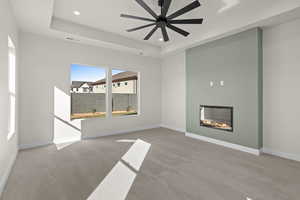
[[123, 76], [78, 84]]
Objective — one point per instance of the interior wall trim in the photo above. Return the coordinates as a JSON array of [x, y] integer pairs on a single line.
[[30, 146], [173, 128], [225, 144], [34, 145], [4, 178], [281, 154], [123, 131]]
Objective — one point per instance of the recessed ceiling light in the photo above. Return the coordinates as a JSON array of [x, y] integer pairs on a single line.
[[72, 39], [76, 12], [69, 38], [160, 39]]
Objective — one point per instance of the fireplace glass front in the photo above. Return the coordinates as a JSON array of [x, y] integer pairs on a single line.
[[217, 117]]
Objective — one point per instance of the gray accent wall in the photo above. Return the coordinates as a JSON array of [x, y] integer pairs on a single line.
[[236, 60]]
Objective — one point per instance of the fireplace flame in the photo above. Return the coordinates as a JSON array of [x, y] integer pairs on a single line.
[[215, 124]]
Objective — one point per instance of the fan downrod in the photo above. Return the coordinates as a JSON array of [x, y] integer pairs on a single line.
[[161, 3]]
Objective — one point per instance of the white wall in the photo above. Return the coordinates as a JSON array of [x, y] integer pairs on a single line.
[[8, 146], [44, 110], [282, 89], [173, 91]]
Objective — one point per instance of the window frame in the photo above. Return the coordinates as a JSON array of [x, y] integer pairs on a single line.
[[137, 90], [108, 91], [105, 88], [12, 87]]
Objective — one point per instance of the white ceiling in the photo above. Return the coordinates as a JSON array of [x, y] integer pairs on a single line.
[[105, 15], [100, 22]]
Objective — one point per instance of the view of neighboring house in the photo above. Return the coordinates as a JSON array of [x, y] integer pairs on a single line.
[[122, 83], [81, 87]]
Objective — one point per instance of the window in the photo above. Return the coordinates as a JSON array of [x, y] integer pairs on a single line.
[[125, 99], [11, 87], [90, 99]]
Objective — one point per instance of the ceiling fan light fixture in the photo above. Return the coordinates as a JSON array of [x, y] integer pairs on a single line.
[[163, 20]]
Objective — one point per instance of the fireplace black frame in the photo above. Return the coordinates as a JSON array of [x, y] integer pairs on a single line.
[[206, 126]]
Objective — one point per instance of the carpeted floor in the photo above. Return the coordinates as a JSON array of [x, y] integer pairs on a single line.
[[175, 168]]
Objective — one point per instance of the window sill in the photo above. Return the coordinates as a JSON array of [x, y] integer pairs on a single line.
[[107, 117], [124, 116]]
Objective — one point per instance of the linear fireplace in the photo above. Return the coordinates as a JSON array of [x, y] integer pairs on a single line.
[[217, 117]]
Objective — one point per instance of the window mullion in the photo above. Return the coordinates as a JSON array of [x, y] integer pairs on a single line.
[[109, 93]]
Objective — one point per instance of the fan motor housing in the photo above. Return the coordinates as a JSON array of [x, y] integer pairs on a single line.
[[161, 19]]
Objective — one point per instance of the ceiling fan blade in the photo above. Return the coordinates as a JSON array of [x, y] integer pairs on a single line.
[[135, 17], [147, 8], [165, 7], [164, 32], [184, 10], [186, 21], [151, 33], [178, 30], [140, 27]]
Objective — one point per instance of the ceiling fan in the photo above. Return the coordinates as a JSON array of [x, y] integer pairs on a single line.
[[163, 21]]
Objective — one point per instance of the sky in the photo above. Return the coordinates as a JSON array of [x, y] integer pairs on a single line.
[[88, 73]]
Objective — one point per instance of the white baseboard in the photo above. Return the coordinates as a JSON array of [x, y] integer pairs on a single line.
[[173, 128], [119, 132], [281, 154], [225, 144], [4, 178], [30, 146], [35, 145], [66, 140]]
